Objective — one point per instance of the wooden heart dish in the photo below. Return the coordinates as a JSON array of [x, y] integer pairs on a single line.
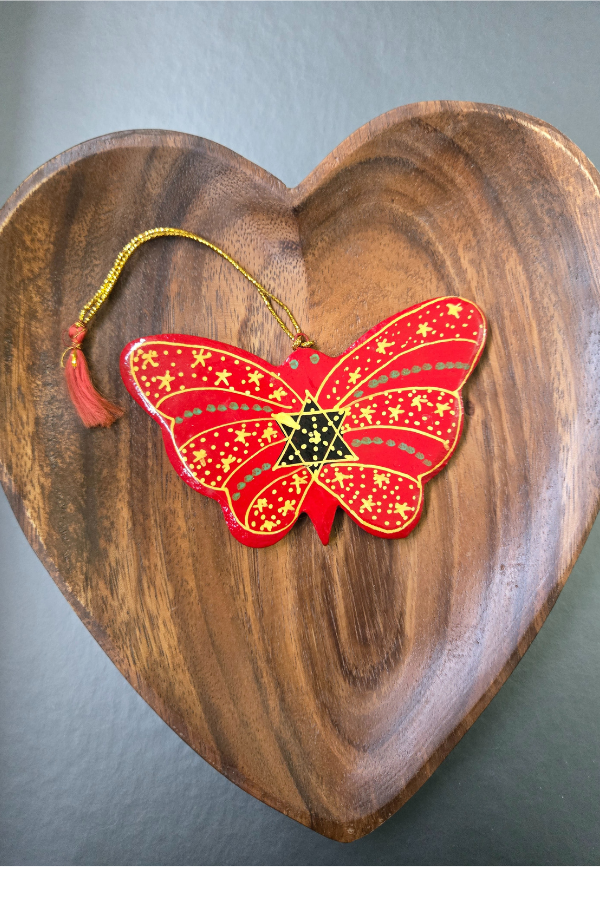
[[328, 681]]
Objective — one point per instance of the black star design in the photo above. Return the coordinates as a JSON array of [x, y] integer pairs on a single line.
[[313, 437]]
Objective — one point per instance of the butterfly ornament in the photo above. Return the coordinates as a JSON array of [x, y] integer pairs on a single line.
[[365, 430]]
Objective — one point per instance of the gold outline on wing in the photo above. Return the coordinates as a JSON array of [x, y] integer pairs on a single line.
[[429, 472], [397, 390], [230, 392], [347, 509], [224, 425], [211, 350], [272, 484], [392, 323], [433, 437], [373, 373], [230, 475]]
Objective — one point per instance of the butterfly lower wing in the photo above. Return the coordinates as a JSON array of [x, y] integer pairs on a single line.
[[215, 405], [380, 499]]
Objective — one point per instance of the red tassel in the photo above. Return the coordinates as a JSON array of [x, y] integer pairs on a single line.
[[93, 408]]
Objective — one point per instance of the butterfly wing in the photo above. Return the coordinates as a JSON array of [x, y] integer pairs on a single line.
[[215, 405], [399, 389]]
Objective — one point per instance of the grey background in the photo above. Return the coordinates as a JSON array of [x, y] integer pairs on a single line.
[[88, 773]]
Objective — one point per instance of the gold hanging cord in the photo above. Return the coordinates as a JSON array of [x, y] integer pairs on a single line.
[[297, 336]]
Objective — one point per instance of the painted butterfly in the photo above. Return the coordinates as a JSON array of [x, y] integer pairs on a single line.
[[364, 430]]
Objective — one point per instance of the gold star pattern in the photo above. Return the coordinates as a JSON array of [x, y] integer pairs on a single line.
[[383, 345], [165, 381], [423, 329], [339, 477], [381, 478], [354, 376], [400, 509], [223, 376], [277, 394], [200, 356], [367, 504], [441, 408], [287, 507], [226, 462], [267, 526], [200, 457], [394, 413], [454, 309], [417, 401], [367, 413], [255, 377], [149, 359], [241, 435], [269, 433], [299, 480]]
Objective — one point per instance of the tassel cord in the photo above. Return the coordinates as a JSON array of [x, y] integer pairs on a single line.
[[93, 408], [297, 336]]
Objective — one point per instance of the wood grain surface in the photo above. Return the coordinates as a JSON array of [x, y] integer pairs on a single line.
[[329, 682]]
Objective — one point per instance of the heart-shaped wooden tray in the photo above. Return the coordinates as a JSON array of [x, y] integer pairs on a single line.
[[327, 681]]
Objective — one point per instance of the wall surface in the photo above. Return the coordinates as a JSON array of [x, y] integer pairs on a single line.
[[88, 773]]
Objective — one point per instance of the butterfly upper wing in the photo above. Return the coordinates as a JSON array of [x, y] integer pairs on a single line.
[[215, 405], [399, 387]]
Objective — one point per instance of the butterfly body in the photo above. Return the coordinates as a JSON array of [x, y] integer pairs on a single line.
[[365, 430]]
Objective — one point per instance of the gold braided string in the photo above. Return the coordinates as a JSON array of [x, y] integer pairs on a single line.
[[297, 336]]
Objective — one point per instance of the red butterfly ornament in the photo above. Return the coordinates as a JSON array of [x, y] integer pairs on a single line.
[[365, 430]]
